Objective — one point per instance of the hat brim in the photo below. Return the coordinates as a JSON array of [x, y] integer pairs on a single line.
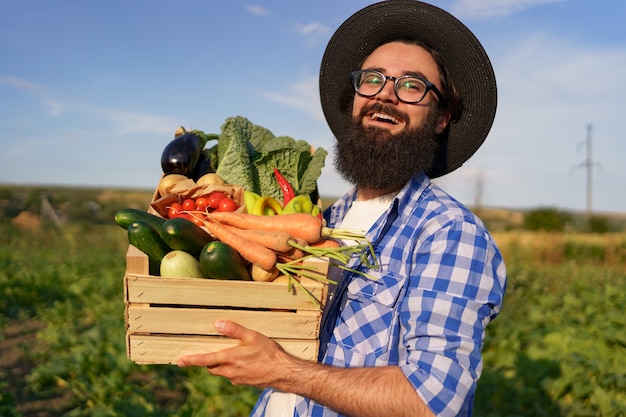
[[464, 57]]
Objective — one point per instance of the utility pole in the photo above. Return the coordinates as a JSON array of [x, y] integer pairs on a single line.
[[588, 164]]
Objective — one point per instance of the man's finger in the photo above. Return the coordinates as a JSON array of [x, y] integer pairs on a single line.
[[234, 330], [207, 360]]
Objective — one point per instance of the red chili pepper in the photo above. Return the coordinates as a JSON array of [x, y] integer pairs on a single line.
[[288, 191]]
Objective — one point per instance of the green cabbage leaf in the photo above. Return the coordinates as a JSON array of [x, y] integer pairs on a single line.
[[247, 155]]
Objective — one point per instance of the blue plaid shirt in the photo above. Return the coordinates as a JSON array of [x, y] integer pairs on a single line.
[[442, 280]]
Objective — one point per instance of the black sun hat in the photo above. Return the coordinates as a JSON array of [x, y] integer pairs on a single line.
[[467, 63]]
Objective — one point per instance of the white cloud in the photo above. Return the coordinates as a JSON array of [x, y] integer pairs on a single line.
[[119, 121], [478, 9], [257, 10], [312, 29], [124, 122], [19, 83], [314, 32], [54, 107], [303, 95]]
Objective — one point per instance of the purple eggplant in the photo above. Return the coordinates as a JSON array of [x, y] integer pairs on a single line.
[[182, 154]]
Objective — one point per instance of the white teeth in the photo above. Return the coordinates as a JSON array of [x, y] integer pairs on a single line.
[[382, 116]]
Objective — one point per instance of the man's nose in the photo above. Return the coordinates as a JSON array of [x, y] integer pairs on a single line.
[[388, 93]]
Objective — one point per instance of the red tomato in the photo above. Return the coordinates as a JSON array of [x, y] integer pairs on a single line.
[[214, 199], [202, 203], [174, 210], [227, 204], [189, 204], [186, 216], [198, 219]]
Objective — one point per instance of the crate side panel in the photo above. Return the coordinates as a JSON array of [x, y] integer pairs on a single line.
[[200, 321], [153, 350], [209, 292]]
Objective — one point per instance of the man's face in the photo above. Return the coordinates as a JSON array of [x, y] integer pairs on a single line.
[[396, 59], [389, 140]]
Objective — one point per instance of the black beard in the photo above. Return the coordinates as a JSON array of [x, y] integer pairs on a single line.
[[373, 158]]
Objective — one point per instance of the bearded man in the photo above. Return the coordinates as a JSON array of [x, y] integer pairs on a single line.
[[410, 95]]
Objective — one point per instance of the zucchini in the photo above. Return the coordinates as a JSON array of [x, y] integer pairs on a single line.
[[147, 239], [182, 234], [127, 216], [220, 261]]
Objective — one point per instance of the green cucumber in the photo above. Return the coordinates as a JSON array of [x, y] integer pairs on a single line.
[[220, 261], [127, 216], [182, 234], [147, 239]]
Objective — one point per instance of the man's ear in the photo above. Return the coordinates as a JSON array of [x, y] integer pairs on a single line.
[[442, 122]]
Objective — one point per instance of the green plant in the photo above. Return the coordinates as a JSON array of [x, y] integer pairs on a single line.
[[558, 349], [546, 219]]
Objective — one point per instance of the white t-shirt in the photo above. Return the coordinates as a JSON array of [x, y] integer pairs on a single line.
[[360, 216]]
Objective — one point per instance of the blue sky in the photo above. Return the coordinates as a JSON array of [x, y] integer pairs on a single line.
[[91, 92]]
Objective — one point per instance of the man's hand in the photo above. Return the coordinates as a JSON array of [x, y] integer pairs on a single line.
[[257, 360]]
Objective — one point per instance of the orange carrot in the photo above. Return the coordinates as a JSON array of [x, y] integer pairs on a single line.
[[277, 241], [250, 251], [326, 243], [294, 253], [299, 225]]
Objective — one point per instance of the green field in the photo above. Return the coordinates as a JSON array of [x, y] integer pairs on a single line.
[[557, 349]]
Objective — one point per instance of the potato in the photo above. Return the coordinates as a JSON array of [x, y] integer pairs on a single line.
[[210, 179], [169, 181]]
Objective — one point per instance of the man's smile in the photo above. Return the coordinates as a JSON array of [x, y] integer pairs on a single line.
[[384, 118]]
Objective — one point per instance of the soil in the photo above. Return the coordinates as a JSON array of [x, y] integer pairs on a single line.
[[18, 338]]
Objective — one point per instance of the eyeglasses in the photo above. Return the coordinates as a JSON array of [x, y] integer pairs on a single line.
[[408, 88]]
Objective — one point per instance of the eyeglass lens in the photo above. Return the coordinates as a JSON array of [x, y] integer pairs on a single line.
[[408, 88]]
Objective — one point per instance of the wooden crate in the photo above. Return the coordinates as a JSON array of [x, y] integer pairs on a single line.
[[167, 318]]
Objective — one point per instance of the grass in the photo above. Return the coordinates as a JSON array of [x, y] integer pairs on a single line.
[[557, 349]]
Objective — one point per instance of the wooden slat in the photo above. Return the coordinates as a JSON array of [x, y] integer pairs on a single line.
[[153, 349], [212, 292], [199, 321]]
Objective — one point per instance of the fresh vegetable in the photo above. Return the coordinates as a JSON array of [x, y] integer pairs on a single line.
[[299, 225], [182, 154], [214, 198], [180, 264], [288, 192], [210, 179], [127, 216], [167, 182], [260, 274], [276, 241], [249, 198], [202, 203], [266, 206], [174, 210], [204, 165], [293, 252], [182, 234], [227, 204], [326, 243], [299, 204], [189, 204], [147, 239], [252, 252], [247, 155], [220, 261]]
